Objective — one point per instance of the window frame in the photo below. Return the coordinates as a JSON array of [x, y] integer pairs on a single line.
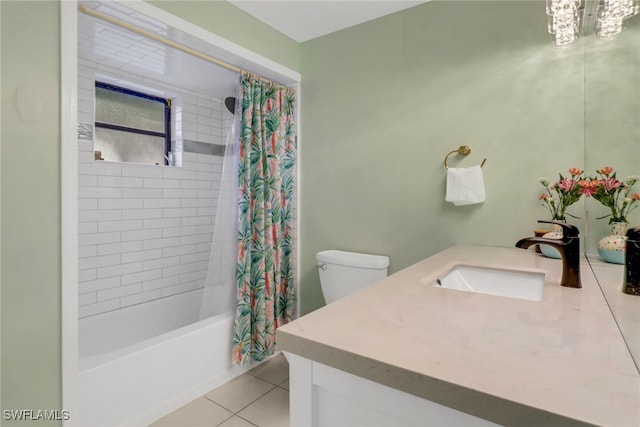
[[167, 116]]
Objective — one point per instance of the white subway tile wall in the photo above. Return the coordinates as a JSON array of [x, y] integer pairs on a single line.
[[144, 245], [145, 231]]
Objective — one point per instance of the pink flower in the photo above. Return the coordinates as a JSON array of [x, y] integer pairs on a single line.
[[567, 184], [614, 194], [610, 184], [562, 194]]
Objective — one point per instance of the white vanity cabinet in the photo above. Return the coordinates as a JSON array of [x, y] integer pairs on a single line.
[[403, 352], [322, 396]]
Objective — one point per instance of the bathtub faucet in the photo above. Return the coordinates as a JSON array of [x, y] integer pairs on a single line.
[[569, 248]]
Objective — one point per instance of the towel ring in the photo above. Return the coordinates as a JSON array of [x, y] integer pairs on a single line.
[[463, 150]]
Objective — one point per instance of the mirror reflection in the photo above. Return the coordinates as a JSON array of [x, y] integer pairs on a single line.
[[612, 119]]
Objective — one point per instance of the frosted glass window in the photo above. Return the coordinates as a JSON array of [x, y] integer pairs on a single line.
[[128, 110], [119, 146], [131, 126]]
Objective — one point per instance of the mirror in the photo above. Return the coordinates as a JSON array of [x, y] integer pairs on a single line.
[[623, 307], [612, 118]]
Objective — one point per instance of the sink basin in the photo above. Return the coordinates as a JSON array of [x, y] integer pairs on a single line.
[[506, 283]]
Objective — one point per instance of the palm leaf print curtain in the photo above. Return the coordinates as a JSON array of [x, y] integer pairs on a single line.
[[266, 172]]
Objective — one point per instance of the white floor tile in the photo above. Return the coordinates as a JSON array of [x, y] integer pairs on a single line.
[[271, 410], [274, 370], [199, 413], [236, 421], [239, 392], [259, 398]]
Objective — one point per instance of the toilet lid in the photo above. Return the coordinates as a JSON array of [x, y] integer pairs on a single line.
[[353, 259]]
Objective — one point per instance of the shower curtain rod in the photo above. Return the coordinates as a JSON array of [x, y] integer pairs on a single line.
[[170, 43]]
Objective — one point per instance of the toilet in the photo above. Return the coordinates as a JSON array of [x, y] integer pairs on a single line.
[[342, 273]]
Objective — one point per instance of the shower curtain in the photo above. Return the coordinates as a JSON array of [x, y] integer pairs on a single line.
[[266, 172]]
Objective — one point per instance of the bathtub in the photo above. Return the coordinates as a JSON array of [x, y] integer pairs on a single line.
[[142, 362]]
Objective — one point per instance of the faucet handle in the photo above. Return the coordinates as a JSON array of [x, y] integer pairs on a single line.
[[568, 230]]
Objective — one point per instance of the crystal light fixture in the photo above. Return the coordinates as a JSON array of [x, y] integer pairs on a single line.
[[611, 13], [564, 20]]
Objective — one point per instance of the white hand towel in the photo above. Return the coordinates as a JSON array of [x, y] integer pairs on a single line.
[[465, 186]]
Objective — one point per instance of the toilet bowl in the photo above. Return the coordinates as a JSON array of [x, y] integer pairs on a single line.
[[342, 273]]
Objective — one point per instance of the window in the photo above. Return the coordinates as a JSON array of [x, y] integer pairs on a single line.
[[131, 126]]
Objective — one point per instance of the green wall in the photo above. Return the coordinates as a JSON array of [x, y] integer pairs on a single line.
[[31, 359], [385, 101], [30, 154]]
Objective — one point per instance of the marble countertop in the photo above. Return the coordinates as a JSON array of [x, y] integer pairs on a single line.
[[558, 361]]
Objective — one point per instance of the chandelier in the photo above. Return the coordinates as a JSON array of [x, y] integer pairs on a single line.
[[565, 18], [611, 13]]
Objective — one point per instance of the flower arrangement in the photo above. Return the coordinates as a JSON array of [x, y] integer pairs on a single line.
[[562, 194], [612, 193]]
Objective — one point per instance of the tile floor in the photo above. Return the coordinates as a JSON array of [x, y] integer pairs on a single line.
[[259, 398]]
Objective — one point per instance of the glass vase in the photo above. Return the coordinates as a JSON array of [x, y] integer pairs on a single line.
[[612, 247]]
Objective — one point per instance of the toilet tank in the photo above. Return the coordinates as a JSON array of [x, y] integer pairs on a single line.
[[342, 273]]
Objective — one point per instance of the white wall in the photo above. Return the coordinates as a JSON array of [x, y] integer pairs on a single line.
[[145, 231]]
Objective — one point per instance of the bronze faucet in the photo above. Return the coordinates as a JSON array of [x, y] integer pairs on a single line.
[[569, 248], [631, 283]]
